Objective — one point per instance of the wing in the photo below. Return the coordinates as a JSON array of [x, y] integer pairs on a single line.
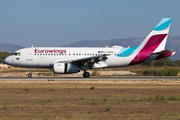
[[87, 61]]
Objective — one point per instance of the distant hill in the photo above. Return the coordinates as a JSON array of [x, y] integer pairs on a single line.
[[173, 43], [9, 47]]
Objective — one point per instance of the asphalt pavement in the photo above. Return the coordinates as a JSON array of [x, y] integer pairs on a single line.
[[121, 78]]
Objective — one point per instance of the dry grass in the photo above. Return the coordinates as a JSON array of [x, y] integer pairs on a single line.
[[54, 100], [37, 72]]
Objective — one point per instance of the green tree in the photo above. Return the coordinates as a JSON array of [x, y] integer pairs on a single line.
[[3, 55], [162, 62]]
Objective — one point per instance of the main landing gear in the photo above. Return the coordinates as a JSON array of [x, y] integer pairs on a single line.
[[30, 71], [86, 74]]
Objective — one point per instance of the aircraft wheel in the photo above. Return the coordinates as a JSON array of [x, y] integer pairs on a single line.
[[29, 75], [86, 74]]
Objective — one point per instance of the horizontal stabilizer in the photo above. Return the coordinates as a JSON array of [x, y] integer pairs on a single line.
[[162, 54]]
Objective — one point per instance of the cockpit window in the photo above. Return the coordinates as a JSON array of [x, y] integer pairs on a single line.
[[16, 54]]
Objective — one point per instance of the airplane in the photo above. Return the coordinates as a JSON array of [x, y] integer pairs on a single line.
[[67, 60]]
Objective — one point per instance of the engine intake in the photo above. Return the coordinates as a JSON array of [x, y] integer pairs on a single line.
[[65, 68]]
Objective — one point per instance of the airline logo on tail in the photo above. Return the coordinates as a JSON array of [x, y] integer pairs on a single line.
[[154, 42]]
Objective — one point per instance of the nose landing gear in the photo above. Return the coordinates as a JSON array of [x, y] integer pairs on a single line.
[[30, 73]]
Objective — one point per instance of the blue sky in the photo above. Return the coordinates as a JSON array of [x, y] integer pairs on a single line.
[[61, 22]]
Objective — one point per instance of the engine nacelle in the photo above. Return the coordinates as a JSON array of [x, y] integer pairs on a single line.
[[65, 68]]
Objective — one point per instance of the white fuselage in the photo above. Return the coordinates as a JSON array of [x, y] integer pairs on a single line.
[[45, 57]]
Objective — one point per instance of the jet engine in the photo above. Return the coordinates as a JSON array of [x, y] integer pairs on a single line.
[[65, 68]]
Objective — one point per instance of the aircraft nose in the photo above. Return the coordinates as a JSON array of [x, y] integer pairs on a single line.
[[7, 60]]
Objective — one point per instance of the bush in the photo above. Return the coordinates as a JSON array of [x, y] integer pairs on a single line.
[[107, 107], [5, 107], [174, 97], [93, 101], [92, 88], [162, 62], [160, 97], [26, 89], [104, 99], [89, 112], [177, 62], [161, 72], [46, 116], [82, 97], [96, 73]]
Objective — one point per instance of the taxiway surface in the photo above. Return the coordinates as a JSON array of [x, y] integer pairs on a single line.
[[89, 79]]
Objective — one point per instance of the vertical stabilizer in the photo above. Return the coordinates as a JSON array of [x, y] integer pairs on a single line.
[[154, 42]]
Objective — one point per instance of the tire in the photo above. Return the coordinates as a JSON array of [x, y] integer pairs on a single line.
[[29, 75], [86, 75]]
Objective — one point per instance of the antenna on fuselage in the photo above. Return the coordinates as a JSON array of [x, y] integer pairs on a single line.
[[32, 46]]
